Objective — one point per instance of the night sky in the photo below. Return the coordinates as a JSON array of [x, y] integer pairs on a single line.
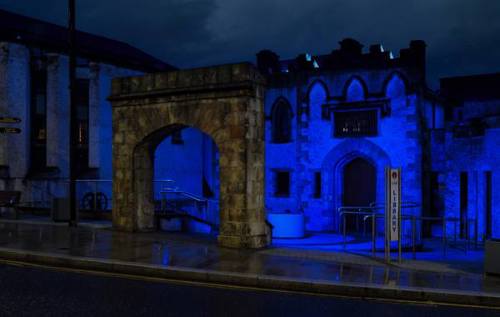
[[463, 36]]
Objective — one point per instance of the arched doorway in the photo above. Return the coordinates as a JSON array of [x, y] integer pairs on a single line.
[[333, 169], [186, 182], [359, 189]]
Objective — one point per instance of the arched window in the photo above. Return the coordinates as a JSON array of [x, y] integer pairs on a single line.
[[317, 93], [355, 91], [317, 97], [396, 87], [281, 122]]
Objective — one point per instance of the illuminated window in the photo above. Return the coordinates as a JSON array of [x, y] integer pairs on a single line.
[[355, 123], [281, 123]]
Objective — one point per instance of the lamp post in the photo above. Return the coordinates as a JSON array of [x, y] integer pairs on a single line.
[[72, 108]]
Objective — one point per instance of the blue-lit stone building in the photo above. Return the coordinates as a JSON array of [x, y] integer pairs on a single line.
[[466, 154], [335, 121]]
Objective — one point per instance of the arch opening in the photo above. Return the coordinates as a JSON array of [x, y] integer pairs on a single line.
[[185, 185], [143, 119]]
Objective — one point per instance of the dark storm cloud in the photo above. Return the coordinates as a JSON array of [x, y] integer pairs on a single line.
[[463, 36]]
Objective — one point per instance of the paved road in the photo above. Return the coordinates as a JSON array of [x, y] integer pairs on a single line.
[[35, 291]]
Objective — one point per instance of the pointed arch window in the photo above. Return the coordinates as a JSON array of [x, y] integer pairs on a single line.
[[281, 123], [355, 91], [395, 87]]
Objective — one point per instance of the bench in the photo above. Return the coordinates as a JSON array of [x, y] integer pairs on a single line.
[[10, 199]]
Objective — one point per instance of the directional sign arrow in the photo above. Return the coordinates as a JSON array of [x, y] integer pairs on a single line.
[[4, 130], [9, 120]]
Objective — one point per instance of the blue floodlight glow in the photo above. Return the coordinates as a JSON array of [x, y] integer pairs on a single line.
[[315, 174], [191, 160]]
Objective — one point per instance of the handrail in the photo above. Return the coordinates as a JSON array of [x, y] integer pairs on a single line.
[[187, 215], [403, 205], [110, 180], [414, 220], [186, 194], [93, 180]]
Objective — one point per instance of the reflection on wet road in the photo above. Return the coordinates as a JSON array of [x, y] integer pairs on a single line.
[[191, 252]]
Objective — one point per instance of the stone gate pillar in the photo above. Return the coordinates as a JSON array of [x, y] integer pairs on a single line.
[[242, 180], [225, 102]]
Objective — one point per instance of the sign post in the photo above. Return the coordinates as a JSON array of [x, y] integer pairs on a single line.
[[9, 120], [392, 211], [4, 130]]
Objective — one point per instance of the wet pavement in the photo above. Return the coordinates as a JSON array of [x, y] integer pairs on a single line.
[[25, 292], [202, 253]]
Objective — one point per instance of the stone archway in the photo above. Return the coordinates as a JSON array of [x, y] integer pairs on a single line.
[[225, 102], [344, 153]]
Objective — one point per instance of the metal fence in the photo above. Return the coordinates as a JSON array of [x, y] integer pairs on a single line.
[[372, 220]]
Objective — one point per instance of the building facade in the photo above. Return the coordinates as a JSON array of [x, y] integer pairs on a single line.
[[466, 155], [335, 121], [34, 82]]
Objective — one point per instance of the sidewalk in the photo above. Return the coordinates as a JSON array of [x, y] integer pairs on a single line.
[[197, 258]]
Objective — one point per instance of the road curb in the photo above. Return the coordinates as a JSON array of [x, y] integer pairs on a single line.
[[326, 287]]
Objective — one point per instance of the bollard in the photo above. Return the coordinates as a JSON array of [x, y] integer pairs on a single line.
[[95, 196], [343, 225], [444, 236], [374, 235], [399, 241], [467, 233], [455, 232], [475, 234], [413, 234], [357, 221]]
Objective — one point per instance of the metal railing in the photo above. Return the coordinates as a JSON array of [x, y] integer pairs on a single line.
[[96, 189], [208, 208], [372, 214], [95, 186]]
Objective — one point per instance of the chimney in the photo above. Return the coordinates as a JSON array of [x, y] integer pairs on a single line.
[[418, 53], [350, 46], [376, 49], [268, 62]]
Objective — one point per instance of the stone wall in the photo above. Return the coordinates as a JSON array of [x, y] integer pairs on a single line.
[[225, 102]]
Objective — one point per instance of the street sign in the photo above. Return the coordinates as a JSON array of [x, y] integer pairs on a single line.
[[4, 130], [392, 211], [395, 203], [9, 120]]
